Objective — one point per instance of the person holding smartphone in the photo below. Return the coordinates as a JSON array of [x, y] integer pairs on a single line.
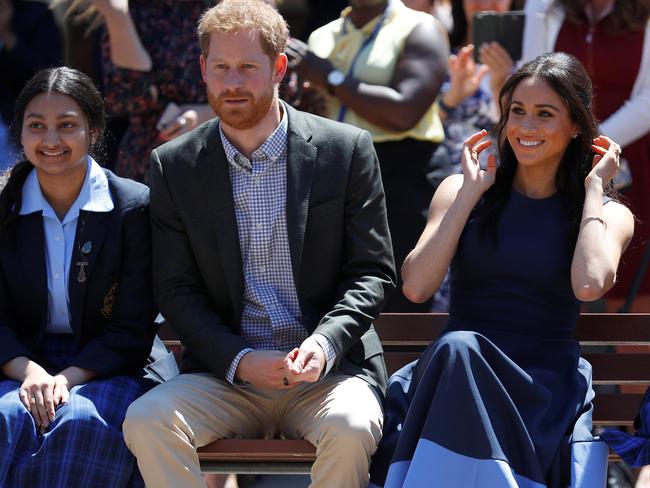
[[501, 397], [467, 97], [150, 75]]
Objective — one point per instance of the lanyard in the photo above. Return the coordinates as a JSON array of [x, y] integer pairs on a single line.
[[367, 42]]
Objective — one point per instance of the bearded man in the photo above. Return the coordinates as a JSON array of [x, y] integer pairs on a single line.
[[272, 257]]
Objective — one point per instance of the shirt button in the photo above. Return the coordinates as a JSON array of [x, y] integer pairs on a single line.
[[259, 226], [61, 311], [57, 238], [262, 269], [56, 276]]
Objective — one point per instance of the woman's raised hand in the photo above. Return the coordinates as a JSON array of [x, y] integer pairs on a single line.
[[476, 180], [606, 162], [500, 64], [464, 76]]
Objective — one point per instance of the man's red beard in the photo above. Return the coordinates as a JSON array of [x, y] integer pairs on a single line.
[[246, 116]]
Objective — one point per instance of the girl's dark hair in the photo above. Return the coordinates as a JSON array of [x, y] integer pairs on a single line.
[[66, 81], [628, 15], [459, 29], [570, 81]]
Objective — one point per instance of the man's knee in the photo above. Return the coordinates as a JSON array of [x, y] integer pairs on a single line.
[[144, 415], [351, 433]]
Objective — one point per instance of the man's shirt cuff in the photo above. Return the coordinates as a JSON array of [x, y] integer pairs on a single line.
[[328, 349], [230, 374]]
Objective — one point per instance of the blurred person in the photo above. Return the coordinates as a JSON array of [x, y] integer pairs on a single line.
[[29, 41], [382, 65], [277, 226], [467, 100], [76, 304], [601, 33], [502, 397], [150, 73]]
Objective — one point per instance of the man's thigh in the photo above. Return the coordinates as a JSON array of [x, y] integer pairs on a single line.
[[206, 408], [346, 405]]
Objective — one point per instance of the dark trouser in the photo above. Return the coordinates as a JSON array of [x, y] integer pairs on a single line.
[[404, 166]]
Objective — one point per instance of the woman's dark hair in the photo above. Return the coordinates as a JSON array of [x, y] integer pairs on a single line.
[[459, 29], [628, 15], [570, 81], [66, 81]]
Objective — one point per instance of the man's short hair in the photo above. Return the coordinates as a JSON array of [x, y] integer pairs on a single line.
[[232, 16]]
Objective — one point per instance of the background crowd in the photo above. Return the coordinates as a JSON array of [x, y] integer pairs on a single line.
[[143, 54]]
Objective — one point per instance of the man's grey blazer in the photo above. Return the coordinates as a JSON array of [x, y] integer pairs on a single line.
[[339, 242]]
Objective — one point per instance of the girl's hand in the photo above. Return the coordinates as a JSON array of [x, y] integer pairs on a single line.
[[476, 181], [37, 394], [606, 161], [464, 76], [61, 393]]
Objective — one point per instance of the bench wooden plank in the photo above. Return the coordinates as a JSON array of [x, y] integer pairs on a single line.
[[262, 450], [592, 329]]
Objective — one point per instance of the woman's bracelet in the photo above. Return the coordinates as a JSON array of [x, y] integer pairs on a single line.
[[589, 219]]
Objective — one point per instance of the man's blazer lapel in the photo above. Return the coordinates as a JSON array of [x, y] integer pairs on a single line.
[[216, 194], [88, 241], [301, 163]]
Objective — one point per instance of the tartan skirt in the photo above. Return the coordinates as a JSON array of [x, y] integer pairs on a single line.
[[83, 446]]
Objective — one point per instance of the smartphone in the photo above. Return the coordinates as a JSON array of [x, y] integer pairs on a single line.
[[506, 28]]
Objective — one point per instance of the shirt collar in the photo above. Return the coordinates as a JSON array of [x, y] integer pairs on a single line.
[[94, 196], [271, 149]]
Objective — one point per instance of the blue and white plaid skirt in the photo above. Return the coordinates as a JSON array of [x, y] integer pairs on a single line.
[[83, 446]]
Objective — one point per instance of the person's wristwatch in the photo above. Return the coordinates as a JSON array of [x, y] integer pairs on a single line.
[[334, 78]]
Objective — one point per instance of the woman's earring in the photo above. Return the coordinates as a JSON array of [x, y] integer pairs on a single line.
[[573, 136]]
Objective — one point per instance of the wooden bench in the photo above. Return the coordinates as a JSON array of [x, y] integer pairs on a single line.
[[404, 337]]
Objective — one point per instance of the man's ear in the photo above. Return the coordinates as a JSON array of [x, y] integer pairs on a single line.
[[279, 67], [203, 68]]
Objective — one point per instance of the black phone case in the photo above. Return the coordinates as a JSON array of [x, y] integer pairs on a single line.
[[506, 28]]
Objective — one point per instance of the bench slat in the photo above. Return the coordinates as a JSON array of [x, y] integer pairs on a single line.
[[593, 329], [259, 450]]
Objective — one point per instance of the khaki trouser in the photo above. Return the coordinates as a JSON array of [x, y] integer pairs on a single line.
[[340, 415]]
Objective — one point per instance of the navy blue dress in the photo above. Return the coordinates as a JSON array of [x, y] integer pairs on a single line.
[[502, 398]]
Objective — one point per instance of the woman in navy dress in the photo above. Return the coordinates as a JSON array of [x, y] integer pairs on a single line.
[[76, 306], [502, 398]]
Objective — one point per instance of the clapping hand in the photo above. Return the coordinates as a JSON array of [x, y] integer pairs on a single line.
[[500, 64], [306, 63], [464, 76]]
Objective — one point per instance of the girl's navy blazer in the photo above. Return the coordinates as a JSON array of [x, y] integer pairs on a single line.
[[111, 308]]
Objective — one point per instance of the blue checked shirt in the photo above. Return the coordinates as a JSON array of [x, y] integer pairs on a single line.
[[271, 317]]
